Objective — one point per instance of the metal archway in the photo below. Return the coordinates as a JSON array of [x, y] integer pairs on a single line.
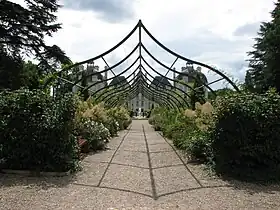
[[159, 91]]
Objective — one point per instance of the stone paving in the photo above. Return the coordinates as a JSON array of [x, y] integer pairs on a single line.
[[140, 161], [140, 170]]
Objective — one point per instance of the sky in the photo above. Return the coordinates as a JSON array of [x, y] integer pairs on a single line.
[[217, 32]]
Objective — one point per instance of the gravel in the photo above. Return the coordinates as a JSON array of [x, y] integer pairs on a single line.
[[125, 185]]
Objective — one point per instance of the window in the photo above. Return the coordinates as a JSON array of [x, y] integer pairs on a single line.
[[137, 103], [142, 103]]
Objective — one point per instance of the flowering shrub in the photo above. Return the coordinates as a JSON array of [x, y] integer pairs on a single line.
[[121, 115], [96, 124], [188, 129], [113, 126], [95, 133]]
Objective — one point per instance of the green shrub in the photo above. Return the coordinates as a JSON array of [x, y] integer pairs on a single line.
[[121, 115], [187, 130], [112, 125], [198, 145], [36, 131], [246, 136], [95, 133]]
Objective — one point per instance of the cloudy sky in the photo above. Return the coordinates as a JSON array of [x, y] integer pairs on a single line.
[[217, 32]]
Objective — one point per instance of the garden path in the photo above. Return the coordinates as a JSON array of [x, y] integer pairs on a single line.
[[140, 170]]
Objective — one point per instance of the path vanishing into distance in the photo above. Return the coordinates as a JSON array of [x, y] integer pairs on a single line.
[[139, 170]]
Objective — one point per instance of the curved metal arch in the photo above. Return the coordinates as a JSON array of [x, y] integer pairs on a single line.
[[126, 70], [99, 56], [195, 78], [122, 85], [140, 46], [171, 90], [112, 85], [119, 87], [135, 85], [173, 87], [159, 97], [151, 95], [129, 90], [173, 80], [155, 100], [135, 92], [186, 59], [140, 66], [112, 67], [160, 102]]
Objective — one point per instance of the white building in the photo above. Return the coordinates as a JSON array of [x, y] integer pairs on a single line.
[[98, 77], [184, 78]]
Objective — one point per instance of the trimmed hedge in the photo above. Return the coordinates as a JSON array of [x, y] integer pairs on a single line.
[[36, 131], [246, 136]]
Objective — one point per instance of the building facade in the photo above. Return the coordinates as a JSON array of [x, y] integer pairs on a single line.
[[91, 80], [184, 78]]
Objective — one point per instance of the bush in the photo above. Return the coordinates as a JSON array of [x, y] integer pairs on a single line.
[[36, 131], [187, 129], [95, 133], [246, 136], [96, 124], [112, 125], [121, 115]]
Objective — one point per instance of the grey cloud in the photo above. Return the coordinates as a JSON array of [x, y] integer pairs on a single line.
[[209, 48], [205, 47], [249, 29], [109, 10]]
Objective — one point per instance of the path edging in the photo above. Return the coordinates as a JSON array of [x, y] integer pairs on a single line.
[[35, 173]]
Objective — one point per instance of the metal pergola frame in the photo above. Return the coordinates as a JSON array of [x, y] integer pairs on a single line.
[[134, 85]]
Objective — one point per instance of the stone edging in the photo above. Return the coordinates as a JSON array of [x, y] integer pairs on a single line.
[[34, 173]]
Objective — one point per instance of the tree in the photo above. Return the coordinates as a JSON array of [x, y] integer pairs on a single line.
[[264, 63], [249, 85], [220, 92], [10, 68], [84, 83], [15, 73], [198, 95], [22, 30], [30, 76]]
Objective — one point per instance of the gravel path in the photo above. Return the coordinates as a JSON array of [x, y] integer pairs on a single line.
[[141, 170]]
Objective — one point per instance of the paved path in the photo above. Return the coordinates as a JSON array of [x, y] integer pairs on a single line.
[[140, 162], [141, 170]]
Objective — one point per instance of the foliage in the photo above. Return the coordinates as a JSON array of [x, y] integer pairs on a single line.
[[16, 74], [10, 69], [264, 63], [245, 137], [36, 131], [199, 94], [96, 124], [121, 115], [89, 121], [220, 92], [24, 29], [188, 129], [95, 133], [84, 83]]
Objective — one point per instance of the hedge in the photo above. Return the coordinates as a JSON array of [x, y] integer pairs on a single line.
[[36, 131], [246, 136]]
